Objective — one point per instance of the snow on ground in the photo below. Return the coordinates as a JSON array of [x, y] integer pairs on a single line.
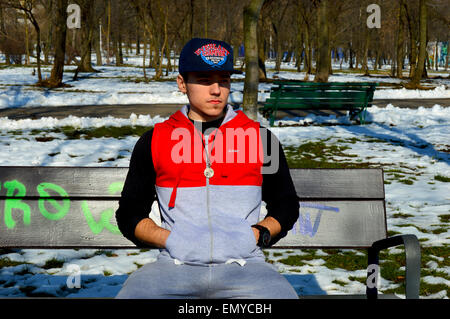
[[123, 85], [416, 139]]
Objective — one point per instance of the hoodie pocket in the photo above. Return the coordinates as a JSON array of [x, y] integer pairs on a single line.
[[189, 242], [233, 239]]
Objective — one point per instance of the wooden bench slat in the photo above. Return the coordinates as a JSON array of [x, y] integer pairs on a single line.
[[87, 223], [337, 224], [360, 183], [321, 95], [76, 181]]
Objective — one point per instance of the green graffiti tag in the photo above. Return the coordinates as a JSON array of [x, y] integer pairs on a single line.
[[115, 187], [61, 210], [105, 215], [13, 203], [16, 192]]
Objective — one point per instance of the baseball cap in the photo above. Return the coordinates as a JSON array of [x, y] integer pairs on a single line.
[[199, 55]]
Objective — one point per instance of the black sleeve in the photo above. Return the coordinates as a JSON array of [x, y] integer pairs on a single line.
[[138, 193], [278, 190]]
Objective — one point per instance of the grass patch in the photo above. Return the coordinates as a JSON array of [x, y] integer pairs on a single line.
[[401, 215], [339, 282], [6, 262], [73, 133], [110, 254], [406, 181], [319, 155], [104, 131], [53, 263], [441, 178], [293, 260], [359, 279], [348, 260], [444, 218]]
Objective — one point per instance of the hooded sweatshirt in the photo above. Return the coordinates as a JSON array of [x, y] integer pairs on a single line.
[[209, 215]]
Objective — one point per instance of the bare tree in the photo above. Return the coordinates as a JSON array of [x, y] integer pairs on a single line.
[[27, 6], [60, 28], [415, 80], [250, 99], [323, 59]]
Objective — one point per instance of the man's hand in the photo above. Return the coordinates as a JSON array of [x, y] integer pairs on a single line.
[[151, 234]]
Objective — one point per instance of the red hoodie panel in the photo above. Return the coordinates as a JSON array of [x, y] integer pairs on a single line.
[[235, 153]]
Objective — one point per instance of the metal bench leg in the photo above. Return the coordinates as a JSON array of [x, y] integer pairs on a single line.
[[412, 252]]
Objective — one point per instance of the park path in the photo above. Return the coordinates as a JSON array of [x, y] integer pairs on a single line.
[[164, 110]]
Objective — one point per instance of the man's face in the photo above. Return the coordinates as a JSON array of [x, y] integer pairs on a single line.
[[207, 93]]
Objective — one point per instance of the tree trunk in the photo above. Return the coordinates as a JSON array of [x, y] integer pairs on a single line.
[[144, 55], [400, 42], [87, 26], [169, 60], [3, 34], [415, 81], [27, 42], [365, 64], [98, 45], [323, 57], [412, 29], [191, 22], [261, 54], [108, 31], [38, 43], [308, 52], [250, 99], [59, 44], [446, 57], [299, 41], [206, 18], [120, 49], [350, 59]]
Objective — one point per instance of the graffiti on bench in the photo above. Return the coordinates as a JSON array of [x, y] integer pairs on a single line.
[[16, 191], [303, 225]]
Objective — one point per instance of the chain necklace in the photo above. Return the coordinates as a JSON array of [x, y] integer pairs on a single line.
[[208, 172]]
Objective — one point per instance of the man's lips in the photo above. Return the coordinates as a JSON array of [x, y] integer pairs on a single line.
[[214, 101]]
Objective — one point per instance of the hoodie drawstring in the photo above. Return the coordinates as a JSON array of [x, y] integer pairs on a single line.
[[174, 190]]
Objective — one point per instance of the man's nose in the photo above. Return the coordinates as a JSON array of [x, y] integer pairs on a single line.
[[215, 88]]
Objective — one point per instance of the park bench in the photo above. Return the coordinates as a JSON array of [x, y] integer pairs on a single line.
[[73, 207], [335, 96]]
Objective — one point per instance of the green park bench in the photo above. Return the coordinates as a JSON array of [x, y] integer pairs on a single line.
[[74, 207], [336, 96]]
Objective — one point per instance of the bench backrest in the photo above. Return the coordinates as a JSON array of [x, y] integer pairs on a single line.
[[332, 94], [73, 207]]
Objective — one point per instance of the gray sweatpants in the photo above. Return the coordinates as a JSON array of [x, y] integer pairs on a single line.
[[164, 279]]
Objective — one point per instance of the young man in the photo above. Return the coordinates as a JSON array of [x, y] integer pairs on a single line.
[[205, 167]]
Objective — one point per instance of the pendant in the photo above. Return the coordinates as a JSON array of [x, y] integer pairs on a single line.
[[209, 172]]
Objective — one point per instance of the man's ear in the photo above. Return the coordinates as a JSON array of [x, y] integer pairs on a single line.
[[181, 84]]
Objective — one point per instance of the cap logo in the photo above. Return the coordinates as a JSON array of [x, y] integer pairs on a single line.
[[212, 54]]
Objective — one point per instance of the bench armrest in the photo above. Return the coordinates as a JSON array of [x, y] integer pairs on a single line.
[[413, 255]]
